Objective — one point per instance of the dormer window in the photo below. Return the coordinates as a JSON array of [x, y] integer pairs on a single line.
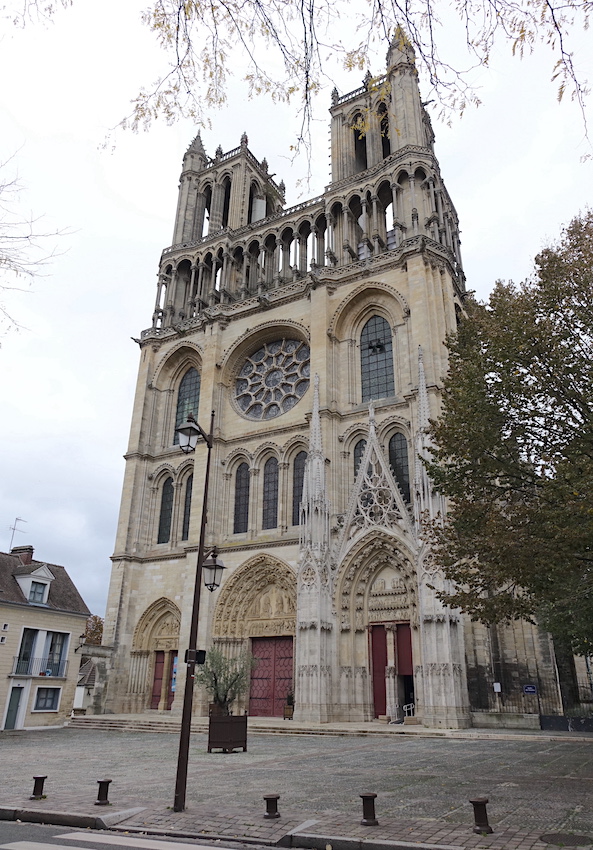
[[35, 583], [38, 592]]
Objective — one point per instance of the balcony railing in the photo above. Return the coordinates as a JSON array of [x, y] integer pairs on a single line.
[[39, 667]]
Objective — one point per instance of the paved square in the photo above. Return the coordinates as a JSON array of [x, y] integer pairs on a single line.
[[534, 785]]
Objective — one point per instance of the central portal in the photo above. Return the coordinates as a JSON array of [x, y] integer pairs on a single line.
[[395, 666], [271, 680]]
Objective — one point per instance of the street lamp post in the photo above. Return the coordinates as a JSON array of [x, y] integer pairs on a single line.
[[189, 433]]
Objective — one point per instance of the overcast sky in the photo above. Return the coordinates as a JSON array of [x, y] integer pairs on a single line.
[[513, 169]]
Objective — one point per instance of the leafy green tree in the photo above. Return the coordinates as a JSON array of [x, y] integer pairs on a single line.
[[225, 679], [514, 448]]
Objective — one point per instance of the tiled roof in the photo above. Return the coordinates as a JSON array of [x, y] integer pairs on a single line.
[[63, 595], [87, 674]]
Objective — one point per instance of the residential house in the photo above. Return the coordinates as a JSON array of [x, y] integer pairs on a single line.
[[42, 618]]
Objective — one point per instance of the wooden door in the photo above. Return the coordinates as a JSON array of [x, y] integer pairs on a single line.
[[157, 682], [271, 680], [404, 650], [378, 665]]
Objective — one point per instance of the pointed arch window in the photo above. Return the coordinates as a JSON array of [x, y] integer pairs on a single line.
[[270, 506], [241, 499], [164, 534], [187, 507], [188, 399], [358, 453], [360, 143], [376, 359], [398, 460], [298, 477], [384, 127]]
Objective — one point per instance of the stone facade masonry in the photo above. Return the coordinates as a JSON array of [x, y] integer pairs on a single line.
[[246, 289]]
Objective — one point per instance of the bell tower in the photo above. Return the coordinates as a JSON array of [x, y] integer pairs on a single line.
[[230, 191]]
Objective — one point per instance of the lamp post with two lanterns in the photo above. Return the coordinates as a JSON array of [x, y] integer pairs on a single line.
[[208, 563]]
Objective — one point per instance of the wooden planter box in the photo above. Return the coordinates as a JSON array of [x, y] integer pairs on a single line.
[[227, 733], [288, 712]]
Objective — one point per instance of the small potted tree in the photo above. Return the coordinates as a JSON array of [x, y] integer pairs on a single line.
[[226, 679], [289, 707]]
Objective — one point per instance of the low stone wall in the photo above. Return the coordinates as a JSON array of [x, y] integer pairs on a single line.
[[503, 720]]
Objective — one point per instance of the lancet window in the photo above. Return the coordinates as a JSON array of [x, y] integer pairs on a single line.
[[376, 360], [187, 508], [360, 143], [298, 476], [270, 501], [166, 514], [398, 460], [241, 517], [188, 399], [384, 128], [358, 453]]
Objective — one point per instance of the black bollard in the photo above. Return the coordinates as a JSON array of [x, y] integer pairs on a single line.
[[103, 792], [368, 810], [481, 824], [272, 806], [38, 788]]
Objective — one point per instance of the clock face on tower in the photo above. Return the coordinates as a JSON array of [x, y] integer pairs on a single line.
[[273, 379]]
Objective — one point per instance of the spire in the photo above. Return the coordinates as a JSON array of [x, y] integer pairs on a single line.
[[427, 502], [315, 506], [197, 146], [423, 408], [400, 49], [195, 155]]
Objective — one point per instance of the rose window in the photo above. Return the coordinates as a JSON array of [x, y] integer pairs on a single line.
[[273, 379]]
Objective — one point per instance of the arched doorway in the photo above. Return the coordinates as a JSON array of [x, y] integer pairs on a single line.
[[257, 610], [376, 596], [153, 668], [390, 645]]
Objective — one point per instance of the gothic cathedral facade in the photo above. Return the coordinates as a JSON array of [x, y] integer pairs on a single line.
[[317, 335]]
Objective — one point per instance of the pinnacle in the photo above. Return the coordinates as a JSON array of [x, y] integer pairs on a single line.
[[197, 146], [400, 49]]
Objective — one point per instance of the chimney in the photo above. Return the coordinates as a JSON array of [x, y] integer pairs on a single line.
[[25, 553]]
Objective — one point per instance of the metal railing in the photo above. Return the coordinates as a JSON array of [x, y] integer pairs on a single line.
[[39, 667]]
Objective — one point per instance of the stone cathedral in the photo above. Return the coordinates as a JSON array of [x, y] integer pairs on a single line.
[[317, 336]]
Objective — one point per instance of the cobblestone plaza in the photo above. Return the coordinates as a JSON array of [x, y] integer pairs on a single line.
[[535, 785]]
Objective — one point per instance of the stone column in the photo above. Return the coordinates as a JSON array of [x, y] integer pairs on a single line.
[[216, 208], [391, 681], [200, 212]]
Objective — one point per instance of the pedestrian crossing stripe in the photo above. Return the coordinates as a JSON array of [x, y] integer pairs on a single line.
[[115, 840], [119, 840]]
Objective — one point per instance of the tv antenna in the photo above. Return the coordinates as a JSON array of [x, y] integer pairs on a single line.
[[14, 528]]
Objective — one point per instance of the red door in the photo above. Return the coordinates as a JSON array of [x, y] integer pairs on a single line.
[[157, 682], [271, 679], [405, 669], [379, 663]]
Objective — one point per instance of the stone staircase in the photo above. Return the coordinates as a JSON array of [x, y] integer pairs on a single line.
[[134, 723], [269, 725]]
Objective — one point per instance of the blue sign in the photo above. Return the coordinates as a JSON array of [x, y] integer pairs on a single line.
[[529, 689]]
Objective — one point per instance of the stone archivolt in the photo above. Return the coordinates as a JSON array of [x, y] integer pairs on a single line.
[[376, 584], [158, 627], [258, 599]]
